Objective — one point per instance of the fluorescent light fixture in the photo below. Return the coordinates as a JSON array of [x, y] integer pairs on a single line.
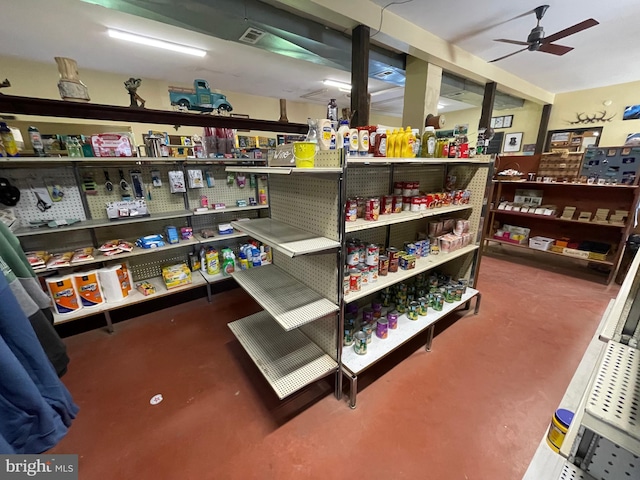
[[386, 90], [441, 106], [335, 83], [153, 42]]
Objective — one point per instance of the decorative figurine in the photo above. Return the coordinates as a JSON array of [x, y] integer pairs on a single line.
[[199, 98], [5, 83], [132, 86], [283, 111], [69, 85]]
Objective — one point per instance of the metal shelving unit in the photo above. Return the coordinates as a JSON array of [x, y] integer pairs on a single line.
[[291, 241], [372, 161], [361, 224], [285, 170], [289, 361], [290, 303]]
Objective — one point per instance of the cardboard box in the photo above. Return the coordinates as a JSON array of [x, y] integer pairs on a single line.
[[572, 252], [176, 275], [540, 243]]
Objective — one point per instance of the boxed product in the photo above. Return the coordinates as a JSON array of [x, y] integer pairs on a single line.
[[111, 145], [176, 275], [540, 243], [407, 262], [513, 234], [146, 288]]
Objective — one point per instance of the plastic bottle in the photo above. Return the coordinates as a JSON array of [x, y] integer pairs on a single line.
[[391, 142], [36, 141], [74, 149], [10, 147], [332, 112], [401, 138], [255, 257], [324, 137], [380, 147], [417, 146], [353, 141], [334, 140], [312, 133], [363, 142], [409, 144], [343, 133], [229, 262], [429, 142], [203, 261], [244, 264], [262, 197]]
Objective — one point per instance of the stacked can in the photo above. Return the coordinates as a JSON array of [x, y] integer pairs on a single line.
[[372, 260], [372, 209]]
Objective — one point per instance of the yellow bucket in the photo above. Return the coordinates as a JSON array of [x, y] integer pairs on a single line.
[[304, 154]]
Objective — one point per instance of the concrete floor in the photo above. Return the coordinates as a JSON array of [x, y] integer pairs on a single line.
[[475, 407]]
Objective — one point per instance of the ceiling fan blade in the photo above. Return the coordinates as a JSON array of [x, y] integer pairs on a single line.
[[578, 27], [507, 56], [514, 42], [554, 49]]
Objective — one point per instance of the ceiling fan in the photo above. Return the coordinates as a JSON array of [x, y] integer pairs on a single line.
[[537, 42]]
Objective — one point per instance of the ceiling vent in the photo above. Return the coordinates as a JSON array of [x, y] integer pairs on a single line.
[[252, 36], [384, 74]]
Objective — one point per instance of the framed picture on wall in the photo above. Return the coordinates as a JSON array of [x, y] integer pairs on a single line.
[[507, 121], [512, 142], [499, 122], [492, 124]]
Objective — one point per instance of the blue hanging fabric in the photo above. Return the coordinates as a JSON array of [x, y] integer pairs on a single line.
[[36, 409]]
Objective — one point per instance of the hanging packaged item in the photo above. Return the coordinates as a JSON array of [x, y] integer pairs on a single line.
[[176, 181], [196, 179]]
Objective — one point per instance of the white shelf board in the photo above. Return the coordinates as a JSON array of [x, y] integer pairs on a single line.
[[612, 407], [407, 329], [134, 297], [218, 277], [609, 323], [219, 238], [288, 360], [422, 265], [420, 161], [231, 209], [287, 239], [26, 231], [284, 170], [393, 218], [288, 301], [572, 472]]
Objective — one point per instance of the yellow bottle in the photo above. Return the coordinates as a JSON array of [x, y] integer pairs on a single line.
[[391, 142], [409, 143], [401, 139]]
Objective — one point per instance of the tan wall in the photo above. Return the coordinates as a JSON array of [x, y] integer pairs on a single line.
[[590, 101], [36, 79]]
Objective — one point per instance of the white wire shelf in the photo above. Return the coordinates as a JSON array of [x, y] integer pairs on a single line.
[[483, 160], [393, 218], [288, 360], [134, 297], [613, 406], [231, 209], [407, 329], [422, 265], [288, 301], [26, 231], [284, 170], [283, 237]]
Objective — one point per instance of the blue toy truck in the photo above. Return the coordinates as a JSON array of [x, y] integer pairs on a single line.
[[199, 98]]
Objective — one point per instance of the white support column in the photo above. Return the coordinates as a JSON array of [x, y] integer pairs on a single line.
[[421, 92]]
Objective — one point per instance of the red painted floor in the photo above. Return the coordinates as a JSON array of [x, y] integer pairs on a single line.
[[475, 407]]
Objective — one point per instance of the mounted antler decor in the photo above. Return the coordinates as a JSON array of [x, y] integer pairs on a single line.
[[584, 119]]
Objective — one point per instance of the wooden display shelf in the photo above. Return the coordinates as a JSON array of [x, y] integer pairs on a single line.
[[563, 184], [553, 218], [517, 245]]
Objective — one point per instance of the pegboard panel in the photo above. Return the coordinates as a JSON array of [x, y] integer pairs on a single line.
[[27, 208], [431, 177], [132, 231], [611, 462], [162, 200], [57, 242], [374, 235], [323, 333], [221, 192], [318, 272], [198, 222], [472, 177], [150, 265], [368, 181], [307, 203], [328, 159]]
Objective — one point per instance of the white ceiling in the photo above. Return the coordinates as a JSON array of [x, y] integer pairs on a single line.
[[604, 55]]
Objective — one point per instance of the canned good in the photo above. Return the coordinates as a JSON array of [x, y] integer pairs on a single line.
[[361, 206], [415, 204], [401, 307], [362, 253], [386, 299], [382, 328], [367, 315], [355, 280], [368, 329], [393, 253], [345, 284], [360, 343], [348, 335], [423, 203], [373, 274], [412, 311], [351, 210], [403, 288], [435, 248], [397, 203], [407, 189], [411, 297], [353, 254], [423, 303], [411, 249], [415, 188], [438, 302], [372, 209], [352, 308], [463, 283], [406, 204], [457, 295], [364, 273], [386, 206], [373, 253], [449, 295], [392, 320], [376, 305], [393, 265], [397, 188], [383, 265]]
